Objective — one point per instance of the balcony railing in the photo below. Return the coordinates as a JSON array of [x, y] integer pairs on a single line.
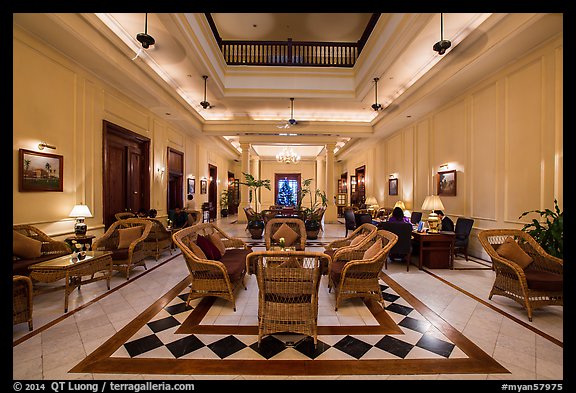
[[290, 53]]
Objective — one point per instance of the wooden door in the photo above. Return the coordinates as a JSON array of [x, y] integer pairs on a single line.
[[175, 195], [213, 190], [126, 175]]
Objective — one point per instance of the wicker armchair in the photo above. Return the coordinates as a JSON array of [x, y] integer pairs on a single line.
[[125, 259], [124, 215], [50, 249], [194, 217], [22, 295], [159, 239], [352, 276], [209, 277], [362, 230], [540, 284], [288, 284], [295, 224]]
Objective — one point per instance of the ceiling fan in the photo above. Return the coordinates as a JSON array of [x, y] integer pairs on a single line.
[[205, 104], [291, 122]]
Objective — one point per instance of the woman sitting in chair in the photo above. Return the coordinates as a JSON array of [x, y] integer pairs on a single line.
[[398, 216]]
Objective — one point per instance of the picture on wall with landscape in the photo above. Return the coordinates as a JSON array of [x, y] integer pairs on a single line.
[[40, 171]]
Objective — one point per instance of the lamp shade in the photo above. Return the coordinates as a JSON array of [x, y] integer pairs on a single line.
[[432, 202], [80, 211], [371, 201], [400, 204]]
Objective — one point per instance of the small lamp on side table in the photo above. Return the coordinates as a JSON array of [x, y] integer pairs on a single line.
[[80, 212], [431, 203]]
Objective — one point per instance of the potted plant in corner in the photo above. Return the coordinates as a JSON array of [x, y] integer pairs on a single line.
[[549, 234], [256, 222], [313, 214], [224, 203]]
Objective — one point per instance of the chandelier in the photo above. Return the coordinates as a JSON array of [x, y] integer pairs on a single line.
[[287, 156]]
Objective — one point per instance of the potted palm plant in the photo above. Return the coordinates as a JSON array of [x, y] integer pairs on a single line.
[[256, 222], [313, 214]]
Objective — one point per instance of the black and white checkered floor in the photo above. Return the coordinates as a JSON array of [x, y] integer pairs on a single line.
[[420, 339]]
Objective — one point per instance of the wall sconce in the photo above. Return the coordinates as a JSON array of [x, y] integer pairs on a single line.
[[161, 170], [211, 179], [392, 176], [42, 145], [444, 166]]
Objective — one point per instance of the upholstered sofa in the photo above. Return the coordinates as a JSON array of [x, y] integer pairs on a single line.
[[30, 246]]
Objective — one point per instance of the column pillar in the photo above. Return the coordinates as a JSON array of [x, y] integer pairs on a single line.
[[255, 171], [331, 214], [245, 168]]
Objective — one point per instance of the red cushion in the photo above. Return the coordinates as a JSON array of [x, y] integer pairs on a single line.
[[235, 262], [209, 249]]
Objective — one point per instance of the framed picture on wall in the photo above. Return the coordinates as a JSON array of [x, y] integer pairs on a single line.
[[447, 183], [392, 186], [191, 186], [203, 186], [40, 171]]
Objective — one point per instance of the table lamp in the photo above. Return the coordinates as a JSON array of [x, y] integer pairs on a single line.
[[80, 212], [433, 202], [372, 204]]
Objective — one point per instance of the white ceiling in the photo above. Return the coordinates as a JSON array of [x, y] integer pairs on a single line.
[[332, 105]]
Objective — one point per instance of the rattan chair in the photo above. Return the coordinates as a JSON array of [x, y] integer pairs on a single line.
[[125, 259], [209, 277], [288, 284], [352, 276], [50, 248], [22, 296], [159, 239], [538, 285], [124, 215], [362, 230], [295, 224]]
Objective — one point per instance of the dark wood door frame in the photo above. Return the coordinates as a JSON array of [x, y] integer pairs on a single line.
[[213, 190], [175, 186], [290, 176], [135, 167]]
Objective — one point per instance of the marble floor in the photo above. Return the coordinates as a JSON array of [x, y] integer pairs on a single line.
[[454, 299]]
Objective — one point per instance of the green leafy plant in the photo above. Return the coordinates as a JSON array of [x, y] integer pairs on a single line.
[[317, 199], [224, 199], [549, 233], [254, 185]]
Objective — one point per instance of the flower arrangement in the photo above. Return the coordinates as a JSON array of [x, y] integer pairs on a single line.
[[282, 242]]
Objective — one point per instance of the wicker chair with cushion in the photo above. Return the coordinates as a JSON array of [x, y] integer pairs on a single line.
[[22, 295], [159, 239], [126, 240], [213, 273], [360, 234], [288, 284], [292, 230], [124, 215], [30, 246], [525, 272], [194, 217], [353, 271]]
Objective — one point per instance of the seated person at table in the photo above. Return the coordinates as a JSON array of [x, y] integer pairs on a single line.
[[447, 223], [179, 218], [152, 213], [142, 213], [398, 216]]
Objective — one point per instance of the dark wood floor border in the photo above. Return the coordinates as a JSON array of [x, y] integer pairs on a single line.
[[100, 361], [96, 299], [500, 311]]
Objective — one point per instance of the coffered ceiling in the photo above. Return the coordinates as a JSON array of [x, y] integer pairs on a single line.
[[249, 104]]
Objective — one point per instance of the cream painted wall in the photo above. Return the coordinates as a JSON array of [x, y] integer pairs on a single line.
[[57, 101], [503, 136]]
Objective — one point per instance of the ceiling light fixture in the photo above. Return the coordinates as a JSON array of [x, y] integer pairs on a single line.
[[288, 156], [443, 44], [205, 104], [376, 106], [144, 38]]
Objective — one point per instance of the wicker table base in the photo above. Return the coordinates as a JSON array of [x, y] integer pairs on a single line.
[[63, 268]]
